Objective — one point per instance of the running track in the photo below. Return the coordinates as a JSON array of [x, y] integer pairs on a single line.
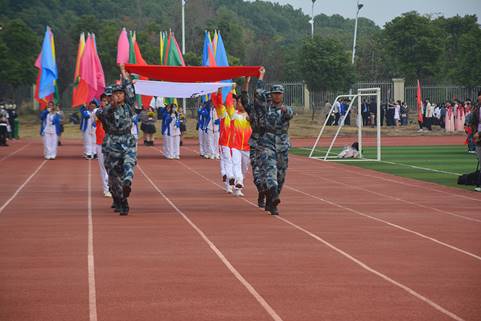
[[350, 244]]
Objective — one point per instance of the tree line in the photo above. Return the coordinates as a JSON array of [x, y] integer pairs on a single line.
[[411, 46]]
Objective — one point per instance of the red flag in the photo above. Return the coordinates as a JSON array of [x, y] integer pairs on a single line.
[[192, 73], [80, 89], [420, 103]]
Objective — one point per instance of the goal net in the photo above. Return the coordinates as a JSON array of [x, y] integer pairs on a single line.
[[335, 139]]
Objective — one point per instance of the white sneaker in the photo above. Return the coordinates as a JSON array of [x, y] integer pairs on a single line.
[[177, 157], [420, 130], [238, 192], [107, 194], [229, 189], [477, 189]]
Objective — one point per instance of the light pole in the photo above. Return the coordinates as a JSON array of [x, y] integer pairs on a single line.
[[359, 7], [184, 102], [312, 19]]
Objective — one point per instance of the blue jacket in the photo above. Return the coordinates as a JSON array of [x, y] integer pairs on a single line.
[[43, 124], [205, 116], [84, 116]]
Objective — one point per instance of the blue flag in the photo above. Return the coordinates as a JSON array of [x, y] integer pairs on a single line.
[[221, 60], [48, 66]]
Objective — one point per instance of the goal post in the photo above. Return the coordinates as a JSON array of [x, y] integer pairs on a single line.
[[362, 92]]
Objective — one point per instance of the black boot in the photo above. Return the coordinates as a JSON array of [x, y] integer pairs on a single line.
[[127, 187], [274, 201], [124, 207], [261, 199], [118, 206]]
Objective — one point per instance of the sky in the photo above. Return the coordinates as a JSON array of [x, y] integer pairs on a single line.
[[382, 11]]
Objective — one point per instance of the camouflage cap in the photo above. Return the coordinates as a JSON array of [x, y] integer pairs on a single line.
[[108, 90], [117, 88], [277, 89]]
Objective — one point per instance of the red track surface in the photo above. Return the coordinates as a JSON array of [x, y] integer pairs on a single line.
[[349, 244]]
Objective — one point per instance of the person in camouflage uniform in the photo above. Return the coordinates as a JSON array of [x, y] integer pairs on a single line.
[[273, 144], [120, 145], [254, 111]]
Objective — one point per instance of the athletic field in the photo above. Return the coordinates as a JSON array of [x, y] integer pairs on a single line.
[[437, 164], [351, 243]]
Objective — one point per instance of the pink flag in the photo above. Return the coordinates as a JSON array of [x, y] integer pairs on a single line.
[[88, 68], [99, 71], [123, 48]]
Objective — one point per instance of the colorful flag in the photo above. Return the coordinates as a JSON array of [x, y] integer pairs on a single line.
[[123, 48], [49, 66], [208, 58], [99, 70], [221, 60], [135, 57], [80, 89], [91, 70], [174, 55], [419, 103], [46, 84]]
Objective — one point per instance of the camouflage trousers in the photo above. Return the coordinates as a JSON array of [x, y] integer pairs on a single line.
[[256, 169], [274, 163], [120, 164]]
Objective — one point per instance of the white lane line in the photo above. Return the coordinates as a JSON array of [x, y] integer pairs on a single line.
[[453, 191], [219, 254], [348, 256], [391, 197], [91, 270], [421, 168], [387, 223], [13, 153], [408, 165], [22, 186]]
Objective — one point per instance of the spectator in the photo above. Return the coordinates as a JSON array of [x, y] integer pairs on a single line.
[[449, 126], [397, 113], [404, 114], [61, 117], [3, 126], [365, 112], [373, 111], [149, 120], [12, 116], [442, 119], [428, 115], [476, 129], [337, 111]]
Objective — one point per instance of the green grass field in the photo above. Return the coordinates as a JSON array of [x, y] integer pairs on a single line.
[[436, 164]]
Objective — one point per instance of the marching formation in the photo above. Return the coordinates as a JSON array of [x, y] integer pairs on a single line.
[[253, 131]]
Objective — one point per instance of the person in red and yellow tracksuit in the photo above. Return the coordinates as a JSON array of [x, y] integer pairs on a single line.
[[225, 113], [240, 145]]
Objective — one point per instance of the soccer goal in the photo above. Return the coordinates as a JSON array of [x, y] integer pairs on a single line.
[[325, 147]]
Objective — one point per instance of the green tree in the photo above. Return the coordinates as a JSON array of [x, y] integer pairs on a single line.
[[469, 61], [325, 65], [413, 44], [19, 47]]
